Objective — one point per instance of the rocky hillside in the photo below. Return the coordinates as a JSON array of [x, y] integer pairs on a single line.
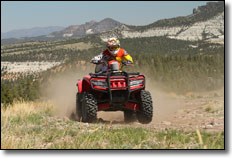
[[205, 23]]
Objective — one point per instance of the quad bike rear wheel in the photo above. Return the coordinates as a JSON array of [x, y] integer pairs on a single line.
[[79, 106], [89, 108], [145, 113]]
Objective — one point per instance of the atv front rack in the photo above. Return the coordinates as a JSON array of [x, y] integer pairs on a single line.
[[115, 75]]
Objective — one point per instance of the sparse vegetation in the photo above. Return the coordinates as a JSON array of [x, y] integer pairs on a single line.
[[209, 108], [31, 125]]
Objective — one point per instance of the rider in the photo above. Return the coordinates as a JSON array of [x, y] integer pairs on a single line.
[[113, 52]]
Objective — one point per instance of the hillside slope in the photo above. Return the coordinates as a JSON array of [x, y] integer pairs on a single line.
[[206, 23]]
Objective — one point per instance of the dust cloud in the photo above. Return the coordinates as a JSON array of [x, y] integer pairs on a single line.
[[164, 105], [62, 92]]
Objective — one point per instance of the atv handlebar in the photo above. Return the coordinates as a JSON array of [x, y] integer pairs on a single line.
[[105, 74], [95, 62]]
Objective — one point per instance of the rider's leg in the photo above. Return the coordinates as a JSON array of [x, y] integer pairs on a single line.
[[105, 67], [98, 68]]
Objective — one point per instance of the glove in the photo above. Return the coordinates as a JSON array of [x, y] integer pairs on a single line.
[[124, 62], [97, 59]]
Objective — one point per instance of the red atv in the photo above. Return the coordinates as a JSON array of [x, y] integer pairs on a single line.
[[114, 90]]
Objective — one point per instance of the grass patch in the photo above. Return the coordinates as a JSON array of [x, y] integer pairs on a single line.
[[210, 108], [34, 119], [35, 128]]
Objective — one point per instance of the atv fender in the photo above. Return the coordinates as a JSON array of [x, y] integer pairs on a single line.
[[79, 85]]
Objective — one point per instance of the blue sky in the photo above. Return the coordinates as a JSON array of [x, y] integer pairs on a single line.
[[28, 14]]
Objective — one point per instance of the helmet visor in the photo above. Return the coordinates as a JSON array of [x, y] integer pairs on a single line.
[[113, 48]]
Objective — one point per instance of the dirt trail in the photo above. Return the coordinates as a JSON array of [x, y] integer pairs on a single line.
[[170, 111]]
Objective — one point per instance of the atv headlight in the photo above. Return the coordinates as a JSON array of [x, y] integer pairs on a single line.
[[136, 82], [100, 83]]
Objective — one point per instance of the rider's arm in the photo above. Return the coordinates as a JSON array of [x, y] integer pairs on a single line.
[[128, 58]]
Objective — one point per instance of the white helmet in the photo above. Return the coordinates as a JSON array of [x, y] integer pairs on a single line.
[[113, 45]]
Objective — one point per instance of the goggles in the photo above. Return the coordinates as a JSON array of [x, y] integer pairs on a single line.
[[112, 48]]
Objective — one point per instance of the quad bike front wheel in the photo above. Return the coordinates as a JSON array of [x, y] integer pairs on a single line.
[[89, 108], [145, 113]]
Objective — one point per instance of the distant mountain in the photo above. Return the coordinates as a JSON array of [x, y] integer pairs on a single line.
[[91, 27], [205, 23], [32, 32], [73, 31]]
